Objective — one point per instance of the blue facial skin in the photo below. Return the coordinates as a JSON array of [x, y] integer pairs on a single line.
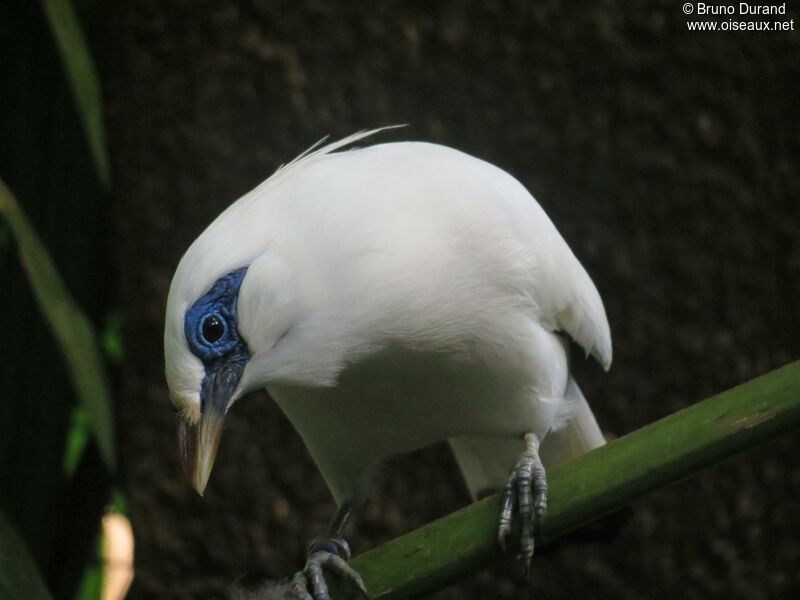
[[211, 329]]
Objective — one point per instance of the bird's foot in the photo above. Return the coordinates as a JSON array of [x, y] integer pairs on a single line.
[[325, 554], [525, 492]]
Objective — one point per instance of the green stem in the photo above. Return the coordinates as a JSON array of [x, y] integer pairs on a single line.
[[591, 486]]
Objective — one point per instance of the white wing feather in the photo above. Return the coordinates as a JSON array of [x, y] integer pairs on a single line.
[[566, 297]]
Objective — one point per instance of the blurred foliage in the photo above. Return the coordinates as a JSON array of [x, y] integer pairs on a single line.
[[112, 337], [72, 329], [91, 585], [18, 572], [77, 439], [57, 447], [82, 78]]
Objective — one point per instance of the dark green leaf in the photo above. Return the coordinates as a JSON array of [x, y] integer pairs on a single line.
[[82, 76], [19, 576], [77, 438], [91, 585], [72, 329], [112, 337]]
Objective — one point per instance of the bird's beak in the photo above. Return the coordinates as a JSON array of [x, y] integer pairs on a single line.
[[198, 442]]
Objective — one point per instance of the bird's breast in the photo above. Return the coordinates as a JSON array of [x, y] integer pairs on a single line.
[[398, 400]]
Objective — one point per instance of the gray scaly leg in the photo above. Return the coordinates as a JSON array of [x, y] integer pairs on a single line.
[[526, 491]]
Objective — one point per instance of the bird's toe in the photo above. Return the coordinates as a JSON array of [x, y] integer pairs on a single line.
[[346, 572], [299, 587], [312, 577], [316, 578], [507, 512]]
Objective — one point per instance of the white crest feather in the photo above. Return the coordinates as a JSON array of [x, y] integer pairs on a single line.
[[316, 151]]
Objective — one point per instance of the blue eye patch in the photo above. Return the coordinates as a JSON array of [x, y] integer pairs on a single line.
[[210, 324]]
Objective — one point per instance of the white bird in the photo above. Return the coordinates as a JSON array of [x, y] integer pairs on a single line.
[[389, 297]]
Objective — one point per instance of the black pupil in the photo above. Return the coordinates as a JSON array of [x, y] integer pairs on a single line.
[[213, 328]]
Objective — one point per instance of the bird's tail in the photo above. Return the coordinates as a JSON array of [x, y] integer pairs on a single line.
[[487, 461]]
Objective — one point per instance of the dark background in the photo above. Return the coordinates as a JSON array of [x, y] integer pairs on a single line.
[[668, 160]]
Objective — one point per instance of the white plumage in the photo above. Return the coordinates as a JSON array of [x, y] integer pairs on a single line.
[[397, 295]]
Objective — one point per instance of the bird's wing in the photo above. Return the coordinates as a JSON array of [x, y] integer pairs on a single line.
[[443, 194], [566, 298], [569, 302]]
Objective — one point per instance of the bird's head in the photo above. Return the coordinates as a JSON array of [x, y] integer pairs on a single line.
[[250, 305], [205, 360], [223, 338]]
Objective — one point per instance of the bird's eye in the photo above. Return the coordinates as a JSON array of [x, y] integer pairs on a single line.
[[213, 328]]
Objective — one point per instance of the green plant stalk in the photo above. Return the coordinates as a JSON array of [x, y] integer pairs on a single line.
[[69, 324], [589, 487], [82, 76]]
